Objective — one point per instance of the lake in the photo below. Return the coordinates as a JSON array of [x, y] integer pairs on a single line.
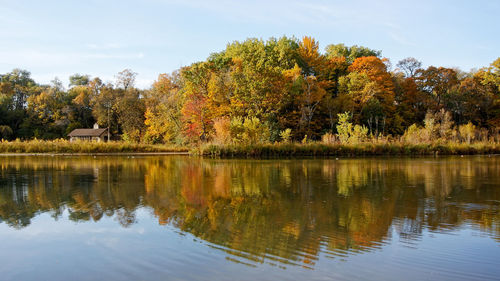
[[185, 218]]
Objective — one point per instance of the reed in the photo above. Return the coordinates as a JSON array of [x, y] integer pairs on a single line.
[[285, 149], [359, 149], [64, 146]]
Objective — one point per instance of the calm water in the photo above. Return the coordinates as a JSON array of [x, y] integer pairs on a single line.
[[181, 218]]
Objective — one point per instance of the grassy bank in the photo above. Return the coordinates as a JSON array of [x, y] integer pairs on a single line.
[[260, 150], [362, 149], [64, 146]]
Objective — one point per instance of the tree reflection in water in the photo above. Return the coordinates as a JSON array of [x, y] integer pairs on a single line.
[[277, 211]]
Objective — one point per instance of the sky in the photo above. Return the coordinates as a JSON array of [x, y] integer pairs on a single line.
[[103, 37]]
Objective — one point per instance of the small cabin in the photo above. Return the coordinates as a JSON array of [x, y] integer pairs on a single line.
[[96, 134]]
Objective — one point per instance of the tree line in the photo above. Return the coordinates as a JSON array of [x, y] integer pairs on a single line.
[[261, 91]]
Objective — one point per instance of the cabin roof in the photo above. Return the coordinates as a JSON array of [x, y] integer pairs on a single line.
[[87, 132]]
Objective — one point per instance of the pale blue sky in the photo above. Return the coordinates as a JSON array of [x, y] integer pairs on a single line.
[[101, 38]]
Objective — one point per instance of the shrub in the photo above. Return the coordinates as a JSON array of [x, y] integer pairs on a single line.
[[467, 132], [344, 127], [445, 124], [133, 135], [348, 133], [414, 134], [236, 128], [304, 140], [430, 127], [328, 138], [249, 131], [359, 134], [255, 131], [222, 128], [286, 135], [438, 126]]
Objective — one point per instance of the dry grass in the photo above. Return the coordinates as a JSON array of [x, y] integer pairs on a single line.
[[361, 149], [64, 146]]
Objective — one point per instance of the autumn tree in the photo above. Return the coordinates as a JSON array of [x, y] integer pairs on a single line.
[[50, 111], [131, 108], [15, 89], [255, 84], [104, 108], [492, 74], [163, 110], [22, 86], [313, 82], [372, 89], [437, 82], [257, 74], [411, 103], [490, 78], [83, 98], [195, 113], [220, 93]]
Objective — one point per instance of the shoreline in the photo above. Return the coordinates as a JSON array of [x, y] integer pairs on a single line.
[[302, 156], [274, 150], [347, 150], [95, 154]]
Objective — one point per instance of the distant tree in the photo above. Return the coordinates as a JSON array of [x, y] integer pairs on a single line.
[[350, 53], [79, 80], [5, 132], [22, 86], [437, 82], [104, 108], [130, 108], [125, 79], [409, 66]]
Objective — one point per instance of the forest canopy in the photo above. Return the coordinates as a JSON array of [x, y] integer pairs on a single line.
[[261, 91]]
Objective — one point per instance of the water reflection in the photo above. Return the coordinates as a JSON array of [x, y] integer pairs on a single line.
[[280, 212]]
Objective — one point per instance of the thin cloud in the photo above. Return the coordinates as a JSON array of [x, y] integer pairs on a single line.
[[106, 46]]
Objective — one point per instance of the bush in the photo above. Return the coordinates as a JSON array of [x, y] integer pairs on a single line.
[[467, 132], [249, 131], [236, 129], [304, 140], [348, 133], [359, 134], [438, 125], [430, 127], [328, 138], [286, 135], [222, 128], [415, 134], [344, 127]]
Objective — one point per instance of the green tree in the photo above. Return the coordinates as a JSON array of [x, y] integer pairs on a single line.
[[79, 80], [350, 53]]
